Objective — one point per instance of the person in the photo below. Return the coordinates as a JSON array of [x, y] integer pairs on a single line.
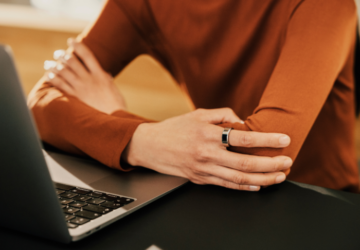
[[285, 66]]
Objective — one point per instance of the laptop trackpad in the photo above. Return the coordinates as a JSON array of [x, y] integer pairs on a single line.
[[75, 171]]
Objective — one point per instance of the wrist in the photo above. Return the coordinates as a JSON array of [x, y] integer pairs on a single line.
[[130, 154]]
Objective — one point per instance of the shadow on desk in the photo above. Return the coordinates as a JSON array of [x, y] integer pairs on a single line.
[[285, 216]]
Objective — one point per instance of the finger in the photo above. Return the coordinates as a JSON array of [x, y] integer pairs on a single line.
[[216, 116], [250, 139], [48, 64], [73, 63], [287, 171], [252, 163], [241, 178], [59, 83], [228, 184], [66, 74], [85, 54], [58, 54]]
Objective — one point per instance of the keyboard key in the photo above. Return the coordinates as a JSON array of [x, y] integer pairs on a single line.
[[79, 220], [88, 214], [95, 194], [58, 191], [96, 201], [124, 200], [68, 195], [66, 201], [111, 204], [82, 198], [97, 209], [71, 225], [78, 204], [70, 210], [81, 191], [69, 217], [63, 186], [109, 197]]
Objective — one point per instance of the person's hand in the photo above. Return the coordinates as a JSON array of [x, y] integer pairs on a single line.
[[190, 146], [85, 80]]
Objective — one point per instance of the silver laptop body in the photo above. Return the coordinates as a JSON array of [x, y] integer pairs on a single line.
[[30, 202]]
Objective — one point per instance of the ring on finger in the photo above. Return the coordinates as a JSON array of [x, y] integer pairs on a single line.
[[225, 137]]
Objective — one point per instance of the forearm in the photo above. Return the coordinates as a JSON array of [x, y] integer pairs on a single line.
[[67, 123], [317, 54]]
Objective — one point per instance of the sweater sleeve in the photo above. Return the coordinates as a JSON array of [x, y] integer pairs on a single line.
[[69, 124], [319, 39]]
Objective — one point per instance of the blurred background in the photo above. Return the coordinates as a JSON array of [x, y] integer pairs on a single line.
[[36, 28]]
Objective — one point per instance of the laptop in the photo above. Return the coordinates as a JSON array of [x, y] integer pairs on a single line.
[[55, 195]]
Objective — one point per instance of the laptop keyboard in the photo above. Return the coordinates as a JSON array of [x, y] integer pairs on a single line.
[[83, 205]]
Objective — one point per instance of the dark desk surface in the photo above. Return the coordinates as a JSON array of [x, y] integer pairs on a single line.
[[285, 216]]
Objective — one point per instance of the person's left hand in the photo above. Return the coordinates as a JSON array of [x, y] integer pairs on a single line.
[[85, 80]]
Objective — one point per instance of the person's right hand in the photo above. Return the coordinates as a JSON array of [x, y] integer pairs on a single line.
[[190, 146]]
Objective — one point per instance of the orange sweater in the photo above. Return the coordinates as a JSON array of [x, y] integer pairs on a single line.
[[283, 65]]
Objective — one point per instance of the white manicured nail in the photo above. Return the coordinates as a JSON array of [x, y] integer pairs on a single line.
[[67, 57], [254, 188], [58, 54], [59, 67], [49, 64], [51, 75]]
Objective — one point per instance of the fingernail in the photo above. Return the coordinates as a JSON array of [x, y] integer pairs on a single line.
[[70, 41], [242, 122], [67, 57], [58, 54], [49, 64], [59, 67], [254, 188], [287, 163], [284, 140], [280, 178], [51, 75]]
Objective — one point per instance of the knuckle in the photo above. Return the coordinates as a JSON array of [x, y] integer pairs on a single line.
[[199, 111], [194, 179], [201, 154], [246, 140], [229, 111], [200, 132], [276, 165], [246, 164], [240, 179], [204, 134], [197, 170], [272, 165], [226, 184]]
